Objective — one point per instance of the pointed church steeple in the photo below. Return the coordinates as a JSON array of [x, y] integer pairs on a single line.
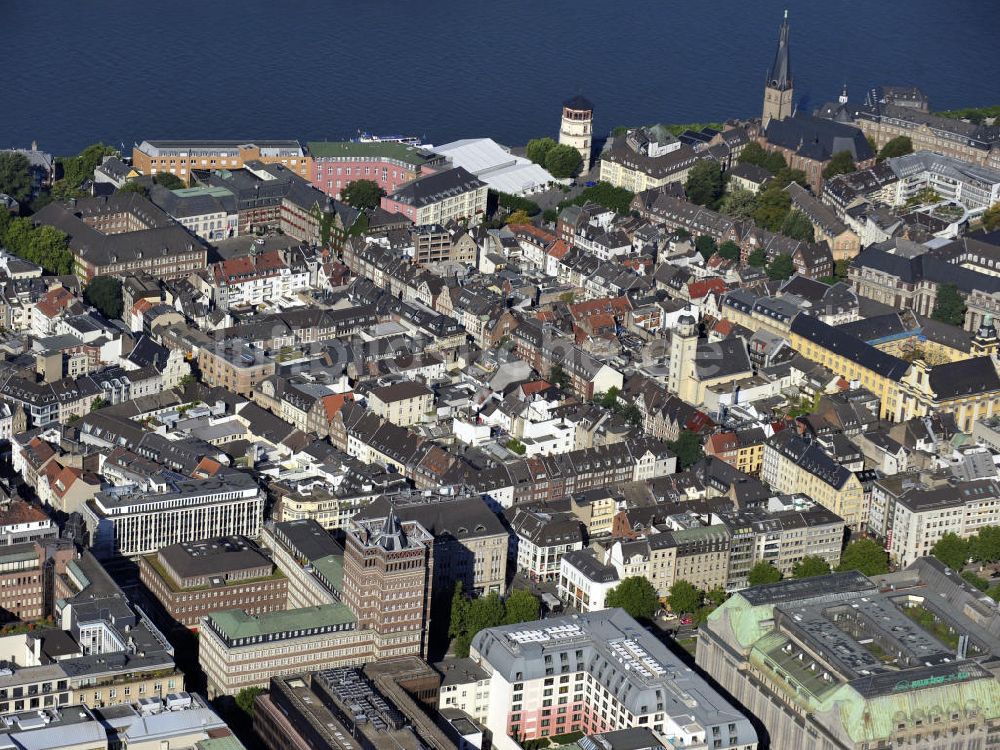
[[778, 93], [780, 75]]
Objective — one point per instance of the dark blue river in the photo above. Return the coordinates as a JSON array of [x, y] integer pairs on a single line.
[[78, 71]]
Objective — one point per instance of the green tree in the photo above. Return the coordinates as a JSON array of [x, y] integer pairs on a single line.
[[518, 217], [99, 403], [684, 597], [362, 194], [44, 245], [985, 545], [865, 556], [773, 205], [952, 550], [538, 148], [704, 183], [459, 619], [632, 415], [636, 596], [810, 566], [550, 216], [484, 612], [77, 169], [901, 145], [785, 177], [754, 153], [763, 572], [705, 245], [15, 175], [716, 596], [605, 194], [563, 161], [517, 203], [978, 581], [134, 186], [169, 181], [797, 226], [608, 399], [729, 250], [687, 447], [758, 258], [924, 197], [105, 293], [245, 699], [781, 267], [559, 377], [991, 218], [841, 162], [739, 204], [516, 446], [949, 307], [521, 606]]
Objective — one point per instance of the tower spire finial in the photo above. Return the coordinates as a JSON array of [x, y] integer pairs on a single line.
[[786, 14]]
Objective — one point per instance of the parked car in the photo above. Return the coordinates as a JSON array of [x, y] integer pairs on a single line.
[[687, 620]]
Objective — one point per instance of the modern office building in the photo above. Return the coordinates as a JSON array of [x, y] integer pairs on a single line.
[[594, 673], [180, 158], [140, 520]]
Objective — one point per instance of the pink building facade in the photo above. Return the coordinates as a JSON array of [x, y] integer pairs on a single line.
[[337, 164]]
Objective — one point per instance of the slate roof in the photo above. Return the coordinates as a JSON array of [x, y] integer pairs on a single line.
[[966, 377], [818, 139], [434, 188], [854, 349]]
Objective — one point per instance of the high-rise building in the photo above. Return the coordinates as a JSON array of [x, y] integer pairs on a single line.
[[388, 570], [778, 91], [577, 127]]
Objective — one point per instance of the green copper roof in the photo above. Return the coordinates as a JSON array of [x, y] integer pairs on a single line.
[[350, 149], [744, 618], [332, 568], [235, 623]]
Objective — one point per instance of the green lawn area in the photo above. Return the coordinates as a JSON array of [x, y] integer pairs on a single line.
[[929, 622]]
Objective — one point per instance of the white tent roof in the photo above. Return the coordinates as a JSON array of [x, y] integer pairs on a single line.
[[495, 165]]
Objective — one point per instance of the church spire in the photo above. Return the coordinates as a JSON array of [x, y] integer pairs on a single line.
[[780, 75]]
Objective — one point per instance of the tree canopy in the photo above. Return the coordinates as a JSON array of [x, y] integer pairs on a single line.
[[105, 293], [604, 194], [538, 148], [901, 145], [704, 183], [773, 205], [781, 267], [684, 597], [754, 153], [705, 245], [15, 175], [134, 186], [763, 572], [43, 245], [798, 226], [991, 217], [518, 217], [949, 306], [866, 556], [952, 550], [729, 250], [521, 606], [245, 699], [636, 596], [985, 545], [362, 194], [841, 162], [563, 161], [810, 566], [169, 181], [758, 258], [77, 169], [739, 204], [468, 617], [687, 447]]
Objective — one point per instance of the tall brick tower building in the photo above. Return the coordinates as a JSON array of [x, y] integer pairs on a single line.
[[388, 569]]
